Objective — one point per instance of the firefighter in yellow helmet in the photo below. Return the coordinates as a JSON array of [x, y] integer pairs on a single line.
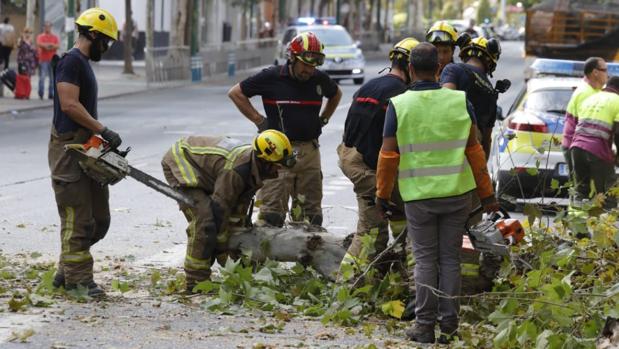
[[443, 36], [479, 57], [362, 139], [82, 203], [221, 175]]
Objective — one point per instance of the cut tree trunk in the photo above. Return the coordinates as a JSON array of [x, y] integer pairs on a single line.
[[320, 250]]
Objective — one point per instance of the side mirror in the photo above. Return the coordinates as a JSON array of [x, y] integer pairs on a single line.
[[499, 113], [357, 43]]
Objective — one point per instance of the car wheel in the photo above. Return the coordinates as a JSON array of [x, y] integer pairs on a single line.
[[337, 81], [358, 81]]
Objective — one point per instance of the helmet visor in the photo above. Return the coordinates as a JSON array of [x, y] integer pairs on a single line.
[[439, 37], [312, 58]]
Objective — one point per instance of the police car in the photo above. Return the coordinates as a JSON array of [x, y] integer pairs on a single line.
[[526, 162], [343, 58]]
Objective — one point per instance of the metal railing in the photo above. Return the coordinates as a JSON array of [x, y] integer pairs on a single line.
[[168, 63], [244, 54]]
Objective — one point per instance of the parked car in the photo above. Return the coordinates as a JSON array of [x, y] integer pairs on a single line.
[[343, 57], [526, 160]]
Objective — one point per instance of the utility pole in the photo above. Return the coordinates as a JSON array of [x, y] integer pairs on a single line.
[[69, 27], [195, 27], [149, 31]]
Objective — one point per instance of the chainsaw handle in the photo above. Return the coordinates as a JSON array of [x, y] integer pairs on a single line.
[[495, 216]]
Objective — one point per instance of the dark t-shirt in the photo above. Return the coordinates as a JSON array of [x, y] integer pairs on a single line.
[[391, 120], [479, 91], [290, 105], [74, 68], [366, 117]]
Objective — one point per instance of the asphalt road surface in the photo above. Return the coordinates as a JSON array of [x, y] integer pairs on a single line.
[[147, 227]]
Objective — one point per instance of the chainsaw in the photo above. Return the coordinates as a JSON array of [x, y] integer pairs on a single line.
[[108, 166], [495, 233]]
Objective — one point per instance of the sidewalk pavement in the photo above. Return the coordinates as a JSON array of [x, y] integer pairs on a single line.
[[111, 83]]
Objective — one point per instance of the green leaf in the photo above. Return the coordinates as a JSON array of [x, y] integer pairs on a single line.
[[205, 286], [17, 303], [548, 340], [120, 286], [155, 277], [393, 308], [554, 184], [534, 278], [532, 171], [527, 332], [505, 337]]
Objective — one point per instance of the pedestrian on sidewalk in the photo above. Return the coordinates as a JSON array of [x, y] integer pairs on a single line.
[[430, 144], [26, 53], [7, 41], [83, 204], [47, 43], [221, 175], [591, 146], [292, 96]]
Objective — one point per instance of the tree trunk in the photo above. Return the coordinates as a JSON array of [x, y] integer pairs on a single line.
[[31, 6], [321, 250], [150, 39], [127, 39], [179, 24]]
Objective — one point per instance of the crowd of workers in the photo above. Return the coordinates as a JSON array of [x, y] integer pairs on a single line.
[[415, 148]]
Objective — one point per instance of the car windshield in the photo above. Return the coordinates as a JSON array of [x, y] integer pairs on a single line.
[[333, 37], [548, 101]]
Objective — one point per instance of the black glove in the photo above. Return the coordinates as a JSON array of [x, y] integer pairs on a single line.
[[111, 137], [263, 125], [387, 208], [502, 85]]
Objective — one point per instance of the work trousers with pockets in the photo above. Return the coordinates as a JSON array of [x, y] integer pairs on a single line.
[[435, 229], [201, 232], [84, 219], [303, 183], [364, 185], [587, 168]]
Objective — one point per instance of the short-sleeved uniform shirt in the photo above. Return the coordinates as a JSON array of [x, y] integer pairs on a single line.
[[363, 128], [485, 107], [291, 106], [74, 68], [391, 120]]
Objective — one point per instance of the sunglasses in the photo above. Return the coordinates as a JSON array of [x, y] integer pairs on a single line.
[[312, 58]]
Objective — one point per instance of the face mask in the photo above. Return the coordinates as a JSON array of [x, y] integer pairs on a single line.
[[98, 47]]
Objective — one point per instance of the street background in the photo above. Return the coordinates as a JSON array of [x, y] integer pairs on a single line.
[[147, 229]]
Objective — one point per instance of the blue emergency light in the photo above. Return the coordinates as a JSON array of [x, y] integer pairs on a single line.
[[561, 67]]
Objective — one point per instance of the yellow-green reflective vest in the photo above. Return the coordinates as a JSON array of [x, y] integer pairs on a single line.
[[433, 129], [598, 114]]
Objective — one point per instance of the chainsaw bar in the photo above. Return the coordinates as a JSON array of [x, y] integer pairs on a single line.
[[159, 186]]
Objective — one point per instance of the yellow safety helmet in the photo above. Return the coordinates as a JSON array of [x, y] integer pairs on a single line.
[[402, 50], [488, 50], [98, 20], [274, 146], [442, 32]]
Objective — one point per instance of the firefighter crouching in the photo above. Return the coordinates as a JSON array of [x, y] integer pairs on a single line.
[[221, 175], [363, 137], [430, 145]]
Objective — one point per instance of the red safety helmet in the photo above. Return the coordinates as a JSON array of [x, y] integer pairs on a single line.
[[307, 48]]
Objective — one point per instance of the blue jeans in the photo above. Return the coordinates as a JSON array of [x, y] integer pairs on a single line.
[[45, 71]]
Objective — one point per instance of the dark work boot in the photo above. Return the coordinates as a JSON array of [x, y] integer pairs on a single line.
[[448, 334], [272, 219], [58, 280], [421, 333], [93, 289]]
